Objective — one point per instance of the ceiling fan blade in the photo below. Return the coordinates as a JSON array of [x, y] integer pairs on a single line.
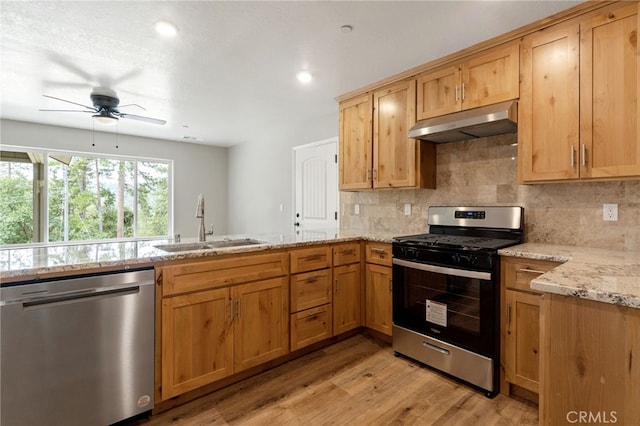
[[70, 102], [141, 118], [130, 105], [65, 110]]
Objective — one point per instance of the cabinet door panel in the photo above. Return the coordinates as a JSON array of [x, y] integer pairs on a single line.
[[196, 341], [394, 153], [522, 346], [609, 91], [347, 298], [548, 124], [355, 144], [378, 298], [491, 77], [310, 289], [261, 329], [438, 92]]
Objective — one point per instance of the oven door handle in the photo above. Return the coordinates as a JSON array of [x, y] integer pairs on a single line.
[[443, 270]]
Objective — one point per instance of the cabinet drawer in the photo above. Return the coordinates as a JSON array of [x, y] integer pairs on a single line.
[[310, 259], [344, 254], [379, 253], [517, 273], [310, 289], [310, 326], [189, 277]]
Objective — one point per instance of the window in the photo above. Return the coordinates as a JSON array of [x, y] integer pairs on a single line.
[[57, 197]]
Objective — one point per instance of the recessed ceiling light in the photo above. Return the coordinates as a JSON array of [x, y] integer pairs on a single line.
[[346, 29], [166, 28], [304, 77]]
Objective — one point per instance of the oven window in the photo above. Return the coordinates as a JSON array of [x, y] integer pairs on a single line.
[[460, 295]]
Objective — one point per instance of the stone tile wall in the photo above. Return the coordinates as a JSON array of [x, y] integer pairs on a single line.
[[484, 172]]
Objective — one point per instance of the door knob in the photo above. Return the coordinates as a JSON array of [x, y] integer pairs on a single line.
[[297, 224]]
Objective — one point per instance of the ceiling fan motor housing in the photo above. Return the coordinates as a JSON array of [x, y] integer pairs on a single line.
[[104, 102]]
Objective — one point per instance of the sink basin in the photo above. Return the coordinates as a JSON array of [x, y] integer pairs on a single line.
[[239, 242], [234, 243], [182, 247]]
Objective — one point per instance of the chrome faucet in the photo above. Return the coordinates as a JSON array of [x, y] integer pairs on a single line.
[[200, 215]]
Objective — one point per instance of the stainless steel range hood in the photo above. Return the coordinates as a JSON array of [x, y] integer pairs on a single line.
[[490, 120]]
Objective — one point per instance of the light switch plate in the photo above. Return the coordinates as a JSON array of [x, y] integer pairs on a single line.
[[407, 209], [610, 212], [356, 209]]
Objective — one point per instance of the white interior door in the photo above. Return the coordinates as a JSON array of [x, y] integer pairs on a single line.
[[316, 187]]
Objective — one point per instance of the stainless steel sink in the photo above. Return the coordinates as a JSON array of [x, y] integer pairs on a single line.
[[182, 247], [227, 243], [234, 243]]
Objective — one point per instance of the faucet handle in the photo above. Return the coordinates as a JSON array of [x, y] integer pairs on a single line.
[[210, 232]]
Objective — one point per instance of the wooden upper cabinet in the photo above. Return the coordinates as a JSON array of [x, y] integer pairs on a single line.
[[355, 145], [484, 79], [609, 108], [491, 76], [578, 111], [548, 111], [375, 150], [394, 153], [439, 92]]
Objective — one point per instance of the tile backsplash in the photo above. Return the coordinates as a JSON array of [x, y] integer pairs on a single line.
[[484, 172]]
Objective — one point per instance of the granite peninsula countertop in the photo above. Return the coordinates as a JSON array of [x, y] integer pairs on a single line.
[[25, 263], [596, 274]]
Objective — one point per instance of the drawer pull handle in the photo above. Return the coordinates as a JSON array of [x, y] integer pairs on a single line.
[[312, 256], [508, 313], [443, 351], [381, 252], [348, 251], [313, 278], [531, 271]]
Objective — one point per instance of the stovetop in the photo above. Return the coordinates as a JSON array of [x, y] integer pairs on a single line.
[[456, 241]]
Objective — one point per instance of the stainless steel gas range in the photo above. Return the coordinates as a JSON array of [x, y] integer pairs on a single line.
[[446, 293]]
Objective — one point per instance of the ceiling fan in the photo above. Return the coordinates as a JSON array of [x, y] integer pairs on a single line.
[[105, 108]]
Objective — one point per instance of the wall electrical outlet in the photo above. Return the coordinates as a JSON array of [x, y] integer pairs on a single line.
[[356, 209], [407, 209], [610, 212]]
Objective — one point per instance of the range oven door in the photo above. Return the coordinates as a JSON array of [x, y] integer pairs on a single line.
[[454, 305]]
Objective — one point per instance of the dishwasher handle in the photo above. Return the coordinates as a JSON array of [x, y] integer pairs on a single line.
[[79, 297]]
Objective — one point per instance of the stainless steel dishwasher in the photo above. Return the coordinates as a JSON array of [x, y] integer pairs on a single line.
[[78, 350]]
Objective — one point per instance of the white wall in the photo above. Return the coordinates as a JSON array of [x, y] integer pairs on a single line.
[[196, 168], [261, 176]]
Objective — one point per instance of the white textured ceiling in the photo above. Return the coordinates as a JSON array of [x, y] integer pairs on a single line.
[[229, 75]]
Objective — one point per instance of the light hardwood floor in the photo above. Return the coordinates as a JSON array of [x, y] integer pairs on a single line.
[[357, 381]]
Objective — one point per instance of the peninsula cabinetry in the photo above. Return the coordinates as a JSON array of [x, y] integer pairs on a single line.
[[589, 362], [375, 150], [214, 321], [521, 324], [378, 285], [483, 79], [347, 287], [311, 296], [578, 110]]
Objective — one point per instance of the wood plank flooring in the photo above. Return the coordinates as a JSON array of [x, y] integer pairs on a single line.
[[357, 381]]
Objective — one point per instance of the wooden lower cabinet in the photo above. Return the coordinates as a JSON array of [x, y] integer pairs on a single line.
[[261, 329], [589, 363], [310, 326], [197, 343], [520, 326], [347, 298], [378, 298], [522, 339], [209, 335]]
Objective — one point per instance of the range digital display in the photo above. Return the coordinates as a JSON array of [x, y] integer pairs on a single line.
[[476, 214]]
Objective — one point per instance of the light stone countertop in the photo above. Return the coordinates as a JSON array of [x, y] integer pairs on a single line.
[[596, 274], [28, 263]]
